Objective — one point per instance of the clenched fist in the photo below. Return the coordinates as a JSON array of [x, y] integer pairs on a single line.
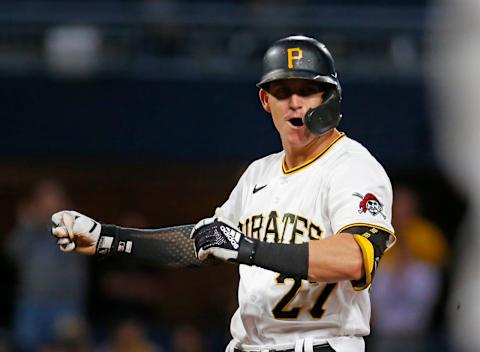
[[75, 232], [218, 237]]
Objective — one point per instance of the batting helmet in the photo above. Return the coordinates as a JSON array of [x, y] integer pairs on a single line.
[[301, 57]]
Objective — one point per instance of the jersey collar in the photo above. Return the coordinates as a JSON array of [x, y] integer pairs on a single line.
[[311, 161]]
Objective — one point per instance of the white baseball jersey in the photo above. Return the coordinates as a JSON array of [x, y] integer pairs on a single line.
[[344, 186]]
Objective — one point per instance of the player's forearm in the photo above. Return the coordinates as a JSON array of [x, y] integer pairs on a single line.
[[170, 246], [334, 259], [288, 259]]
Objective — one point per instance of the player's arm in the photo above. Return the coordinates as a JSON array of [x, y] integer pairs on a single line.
[[221, 239], [335, 258], [353, 254], [350, 255], [170, 246]]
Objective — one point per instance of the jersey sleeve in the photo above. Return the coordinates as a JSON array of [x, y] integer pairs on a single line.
[[359, 202]]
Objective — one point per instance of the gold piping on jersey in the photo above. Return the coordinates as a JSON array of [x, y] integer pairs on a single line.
[[375, 227], [311, 161]]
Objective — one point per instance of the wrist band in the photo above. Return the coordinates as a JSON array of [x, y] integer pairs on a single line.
[[247, 251], [288, 259], [107, 239], [114, 240]]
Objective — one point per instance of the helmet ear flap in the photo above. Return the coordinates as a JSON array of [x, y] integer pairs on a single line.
[[327, 115]]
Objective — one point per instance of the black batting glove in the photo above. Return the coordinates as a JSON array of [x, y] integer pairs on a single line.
[[220, 238]]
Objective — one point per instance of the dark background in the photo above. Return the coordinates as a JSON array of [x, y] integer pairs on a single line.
[[167, 118]]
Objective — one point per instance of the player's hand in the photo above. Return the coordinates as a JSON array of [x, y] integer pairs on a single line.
[[217, 237], [75, 232]]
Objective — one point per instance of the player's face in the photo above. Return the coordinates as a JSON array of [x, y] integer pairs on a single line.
[[288, 101]]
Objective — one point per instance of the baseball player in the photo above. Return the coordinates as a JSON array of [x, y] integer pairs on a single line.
[[308, 225]]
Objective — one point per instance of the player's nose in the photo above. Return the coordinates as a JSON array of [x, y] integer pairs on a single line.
[[295, 101]]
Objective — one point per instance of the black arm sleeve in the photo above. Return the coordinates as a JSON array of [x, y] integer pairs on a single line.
[[169, 246]]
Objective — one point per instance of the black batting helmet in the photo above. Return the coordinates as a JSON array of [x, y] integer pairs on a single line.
[[301, 57]]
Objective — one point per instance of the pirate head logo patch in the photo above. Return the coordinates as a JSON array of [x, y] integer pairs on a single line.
[[370, 203]]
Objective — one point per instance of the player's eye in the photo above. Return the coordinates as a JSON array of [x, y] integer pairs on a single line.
[[284, 92], [281, 92], [309, 90]]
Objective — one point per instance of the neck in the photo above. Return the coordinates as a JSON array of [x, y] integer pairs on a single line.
[[297, 156]]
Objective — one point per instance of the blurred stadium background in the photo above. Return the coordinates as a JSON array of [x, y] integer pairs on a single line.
[[146, 113]]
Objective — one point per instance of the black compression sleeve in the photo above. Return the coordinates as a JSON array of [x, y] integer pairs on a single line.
[[288, 259], [169, 246]]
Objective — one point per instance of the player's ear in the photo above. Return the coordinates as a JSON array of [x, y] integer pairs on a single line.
[[263, 95]]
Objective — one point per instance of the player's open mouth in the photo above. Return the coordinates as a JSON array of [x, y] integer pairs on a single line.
[[296, 121]]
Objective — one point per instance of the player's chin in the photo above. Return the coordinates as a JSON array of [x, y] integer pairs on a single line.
[[295, 133], [298, 135]]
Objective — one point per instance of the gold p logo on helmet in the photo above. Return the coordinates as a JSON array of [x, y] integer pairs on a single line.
[[294, 54]]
